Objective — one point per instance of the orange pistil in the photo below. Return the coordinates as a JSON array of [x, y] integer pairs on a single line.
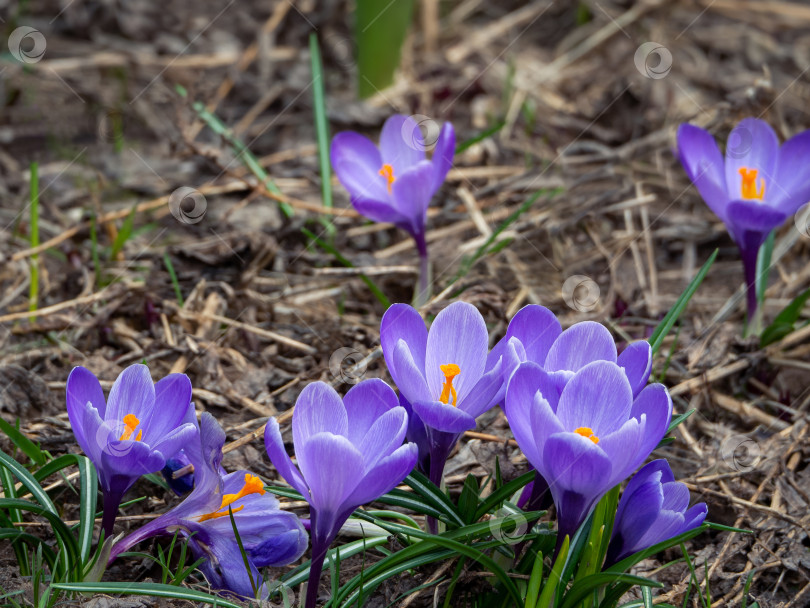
[[387, 172], [253, 485], [131, 422], [749, 184], [450, 371], [587, 432]]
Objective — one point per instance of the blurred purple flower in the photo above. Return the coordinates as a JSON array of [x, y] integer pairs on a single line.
[[133, 432], [395, 182], [349, 452], [588, 438], [653, 508], [444, 375], [754, 190], [270, 537]]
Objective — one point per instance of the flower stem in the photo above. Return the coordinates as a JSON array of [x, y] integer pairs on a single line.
[[753, 326], [111, 502], [437, 461], [423, 286]]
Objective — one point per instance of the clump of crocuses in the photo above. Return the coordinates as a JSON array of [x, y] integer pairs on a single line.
[[653, 508], [349, 452], [587, 438], [395, 182], [133, 431], [753, 190], [270, 537]]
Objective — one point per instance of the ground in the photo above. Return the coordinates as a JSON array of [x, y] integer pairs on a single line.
[[590, 95]]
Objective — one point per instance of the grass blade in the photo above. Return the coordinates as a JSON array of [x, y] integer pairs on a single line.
[[379, 31], [150, 589], [321, 125], [661, 331], [87, 506], [33, 293]]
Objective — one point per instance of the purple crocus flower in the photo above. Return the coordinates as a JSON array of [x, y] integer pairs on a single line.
[[754, 190], [588, 438], [270, 537], [444, 374], [131, 433], [653, 508], [395, 183], [349, 452]]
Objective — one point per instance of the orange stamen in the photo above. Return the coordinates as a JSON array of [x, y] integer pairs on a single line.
[[450, 371], [253, 485], [749, 184], [587, 432], [131, 422], [387, 172]]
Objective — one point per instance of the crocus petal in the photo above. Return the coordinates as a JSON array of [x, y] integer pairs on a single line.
[[521, 393], [636, 360], [409, 378], [666, 525], [389, 472], [133, 392], [694, 517], [403, 322], [172, 403], [378, 211], [331, 465], [598, 397], [130, 459], [483, 395], [703, 163], [458, 335], [537, 328], [83, 392], [579, 345], [274, 445], [318, 409], [224, 567], [385, 435], [176, 439], [401, 144], [365, 403], [622, 447], [750, 216], [83, 388], [676, 496], [574, 463], [652, 472], [443, 153], [752, 144], [790, 187], [357, 163], [443, 417], [655, 404], [412, 194]]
